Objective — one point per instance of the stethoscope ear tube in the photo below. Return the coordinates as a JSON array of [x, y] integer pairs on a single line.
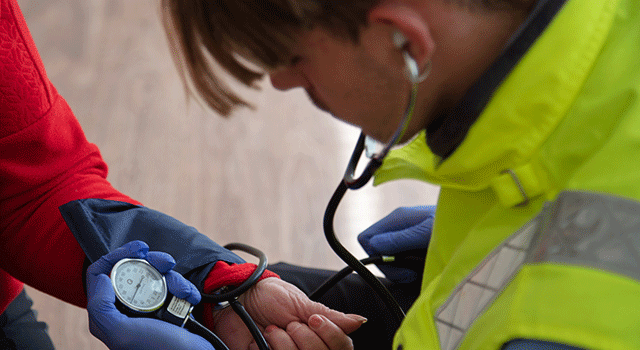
[[376, 160], [374, 164]]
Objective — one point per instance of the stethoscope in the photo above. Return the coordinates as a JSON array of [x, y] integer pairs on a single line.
[[142, 291], [350, 182]]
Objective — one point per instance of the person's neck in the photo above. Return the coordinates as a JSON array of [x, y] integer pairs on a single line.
[[456, 111]]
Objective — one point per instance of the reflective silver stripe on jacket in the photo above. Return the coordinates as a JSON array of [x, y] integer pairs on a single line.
[[579, 228]]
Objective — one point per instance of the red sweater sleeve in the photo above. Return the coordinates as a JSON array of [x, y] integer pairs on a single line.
[[223, 275], [45, 161]]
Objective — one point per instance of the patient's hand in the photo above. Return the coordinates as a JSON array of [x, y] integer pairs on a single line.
[[288, 319]]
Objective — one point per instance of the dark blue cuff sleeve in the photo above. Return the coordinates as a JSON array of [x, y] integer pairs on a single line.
[[101, 226], [527, 344]]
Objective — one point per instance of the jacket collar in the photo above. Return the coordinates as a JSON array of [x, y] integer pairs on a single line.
[[522, 111], [447, 133]]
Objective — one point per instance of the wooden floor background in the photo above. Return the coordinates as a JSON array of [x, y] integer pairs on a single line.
[[262, 177]]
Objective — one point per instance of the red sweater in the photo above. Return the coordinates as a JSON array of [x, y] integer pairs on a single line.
[[46, 161]]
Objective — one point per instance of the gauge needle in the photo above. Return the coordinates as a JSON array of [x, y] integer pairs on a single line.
[[137, 287]]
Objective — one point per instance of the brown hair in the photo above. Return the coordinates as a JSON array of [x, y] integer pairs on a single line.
[[203, 33], [228, 33]]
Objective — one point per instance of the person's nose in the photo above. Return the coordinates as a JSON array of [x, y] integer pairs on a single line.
[[287, 78]]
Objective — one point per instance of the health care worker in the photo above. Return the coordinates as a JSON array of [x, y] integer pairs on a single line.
[[536, 240]]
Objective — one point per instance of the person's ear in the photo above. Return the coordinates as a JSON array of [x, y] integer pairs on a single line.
[[410, 30]]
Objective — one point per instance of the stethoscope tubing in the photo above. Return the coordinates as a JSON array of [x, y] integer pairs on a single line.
[[333, 280], [352, 261], [232, 298], [349, 181]]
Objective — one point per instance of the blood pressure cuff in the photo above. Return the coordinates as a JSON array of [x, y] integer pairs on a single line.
[[101, 226]]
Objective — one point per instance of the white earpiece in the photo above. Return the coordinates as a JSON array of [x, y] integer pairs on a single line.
[[412, 70], [399, 40]]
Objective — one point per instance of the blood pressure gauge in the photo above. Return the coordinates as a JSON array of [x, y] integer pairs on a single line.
[[141, 290], [138, 285]]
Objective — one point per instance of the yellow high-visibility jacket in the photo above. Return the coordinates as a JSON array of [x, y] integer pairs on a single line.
[[537, 230]]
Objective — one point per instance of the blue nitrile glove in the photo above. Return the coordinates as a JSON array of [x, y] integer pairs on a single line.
[[119, 331], [404, 233]]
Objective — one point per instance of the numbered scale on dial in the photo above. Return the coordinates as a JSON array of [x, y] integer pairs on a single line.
[[138, 285]]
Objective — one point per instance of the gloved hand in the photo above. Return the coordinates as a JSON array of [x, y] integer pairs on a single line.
[[406, 233], [119, 331]]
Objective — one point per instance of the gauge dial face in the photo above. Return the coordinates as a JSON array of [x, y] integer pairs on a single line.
[[138, 285]]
